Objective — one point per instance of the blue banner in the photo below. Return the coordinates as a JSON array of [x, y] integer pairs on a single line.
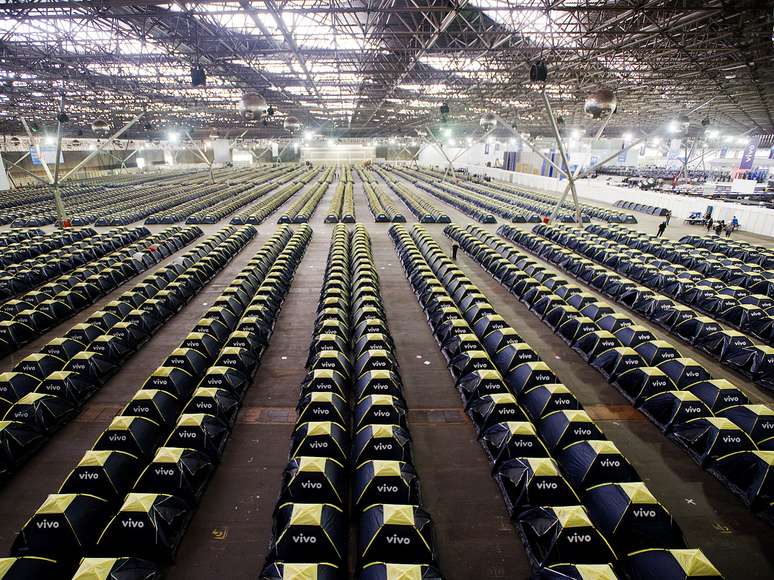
[[748, 155], [771, 152]]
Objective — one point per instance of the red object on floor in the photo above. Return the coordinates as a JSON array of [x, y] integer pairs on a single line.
[[66, 223]]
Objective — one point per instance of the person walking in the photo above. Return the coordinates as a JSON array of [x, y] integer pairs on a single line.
[[719, 227], [709, 224], [661, 227], [668, 216], [729, 229], [455, 248]]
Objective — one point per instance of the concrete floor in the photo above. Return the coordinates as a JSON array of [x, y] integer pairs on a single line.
[[231, 529]]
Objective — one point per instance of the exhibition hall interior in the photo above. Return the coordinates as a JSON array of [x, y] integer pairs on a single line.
[[386, 290]]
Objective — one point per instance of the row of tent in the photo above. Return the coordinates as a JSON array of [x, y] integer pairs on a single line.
[[342, 206], [605, 270], [124, 508], [352, 386], [531, 211], [732, 271], [575, 498], [213, 195], [266, 206], [84, 245], [158, 202], [641, 207], [711, 418], [422, 208], [733, 248], [31, 314], [9, 237], [44, 390], [507, 205], [537, 204], [105, 206], [381, 206], [268, 182], [35, 203], [589, 211], [17, 247], [479, 207], [301, 211], [22, 209]]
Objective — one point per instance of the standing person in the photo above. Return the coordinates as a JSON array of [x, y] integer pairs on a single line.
[[668, 216], [455, 248], [719, 227], [709, 224], [734, 223], [661, 227], [729, 229]]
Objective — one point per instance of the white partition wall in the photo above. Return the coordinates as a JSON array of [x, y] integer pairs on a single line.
[[337, 153]]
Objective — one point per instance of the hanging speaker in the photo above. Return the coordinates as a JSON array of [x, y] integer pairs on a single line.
[[198, 76], [538, 72]]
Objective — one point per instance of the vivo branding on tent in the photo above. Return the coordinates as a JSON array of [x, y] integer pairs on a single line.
[[692, 373], [142, 409], [328, 365], [164, 471], [88, 475], [383, 446], [576, 538], [384, 488], [132, 524], [159, 382], [693, 410], [319, 411], [542, 377], [302, 539], [188, 434], [311, 485], [562, 402], [524, 355], [610, 463], [731, 398], [117, 437], [379, 363], [546, 485], [659, 383], [731, 439], [319, 445], [507, 411], [582, 431], [767, 425], [480, 365], [522, 443], [204, 405], [381, 413], [643, 513], [396, 539], [46, 524]]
